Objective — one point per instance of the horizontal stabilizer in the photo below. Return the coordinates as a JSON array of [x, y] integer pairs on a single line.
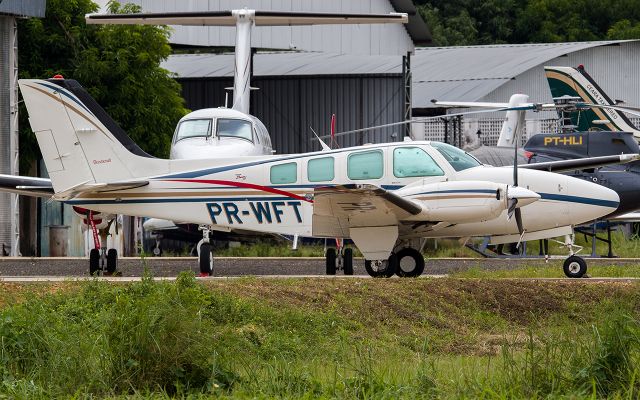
[[87, 188], [26, 185], [262, 18]]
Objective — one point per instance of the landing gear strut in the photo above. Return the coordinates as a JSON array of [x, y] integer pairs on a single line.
[[574, 266], [205, 252], [101, 260]]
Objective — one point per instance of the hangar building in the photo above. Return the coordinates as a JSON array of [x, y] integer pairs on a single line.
[[367, 90], [10, 10]]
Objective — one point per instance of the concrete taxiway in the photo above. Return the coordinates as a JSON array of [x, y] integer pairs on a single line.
[[166, 267]]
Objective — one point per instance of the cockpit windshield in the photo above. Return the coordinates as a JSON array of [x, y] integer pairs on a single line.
[[235, 128], [193, 128], [459, 159]]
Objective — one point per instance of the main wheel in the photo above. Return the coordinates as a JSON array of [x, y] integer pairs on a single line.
[[330, 259], [410, 263], [112, 261], [347, 261], [574, 267], [94, 262], [382, 269], [205, 259]]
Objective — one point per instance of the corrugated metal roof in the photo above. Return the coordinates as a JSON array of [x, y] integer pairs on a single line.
[[445, 73], [23, 8], [283, 63]]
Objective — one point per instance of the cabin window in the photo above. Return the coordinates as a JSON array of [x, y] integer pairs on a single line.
[[413, 161], [234, 128], [365, 165], [320, 169], [193, 128], [284, 173], [459, 159]]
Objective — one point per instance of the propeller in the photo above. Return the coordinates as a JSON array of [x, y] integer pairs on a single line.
[[513, 208]]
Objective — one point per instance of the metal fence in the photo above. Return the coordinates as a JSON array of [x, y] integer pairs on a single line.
[[488, 129]]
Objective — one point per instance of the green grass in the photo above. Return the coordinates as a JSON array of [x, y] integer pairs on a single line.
[[320, 338], [552, 270]]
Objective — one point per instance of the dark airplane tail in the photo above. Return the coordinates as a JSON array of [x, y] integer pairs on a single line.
[[576, 82]]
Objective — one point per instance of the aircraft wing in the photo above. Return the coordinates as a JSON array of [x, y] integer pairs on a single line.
[[261, 18], [26, 185], [336, 209], [581, 163]]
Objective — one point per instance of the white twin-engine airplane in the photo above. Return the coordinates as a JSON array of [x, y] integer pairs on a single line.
[[384, 197]]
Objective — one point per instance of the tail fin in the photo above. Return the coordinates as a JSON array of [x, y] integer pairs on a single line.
[[576, 82], [514, 122], [77, 146]]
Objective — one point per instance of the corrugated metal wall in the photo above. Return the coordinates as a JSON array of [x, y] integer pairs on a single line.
[[6, 24], [290, 106]]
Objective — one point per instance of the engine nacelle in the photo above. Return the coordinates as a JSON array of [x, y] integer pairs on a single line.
[[458, 201]]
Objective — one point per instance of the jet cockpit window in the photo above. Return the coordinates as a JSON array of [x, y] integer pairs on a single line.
[[193, 128], [459, 159], [413, 161], [234, 128], [365, 165]]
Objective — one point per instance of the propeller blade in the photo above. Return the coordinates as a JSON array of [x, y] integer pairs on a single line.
[[513, 203], [520, 227], [628, 110], [519, 221]]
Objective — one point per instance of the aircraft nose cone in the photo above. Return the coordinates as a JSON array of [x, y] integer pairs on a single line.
[[591, 201], [524, 196]]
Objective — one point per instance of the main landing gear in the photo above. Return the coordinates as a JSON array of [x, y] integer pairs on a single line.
[[205, 252], [102, 260], [340, 258], [405, 263]]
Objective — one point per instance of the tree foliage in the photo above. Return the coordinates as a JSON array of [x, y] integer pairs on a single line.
[[119, 66], [469, 22]]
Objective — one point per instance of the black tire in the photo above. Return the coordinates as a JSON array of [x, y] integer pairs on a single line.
[[574, 267], [392, 266], [414, 269], [347, 261], [94, 262], [388, 269], [330, 261], [205, 259], [112, 261]]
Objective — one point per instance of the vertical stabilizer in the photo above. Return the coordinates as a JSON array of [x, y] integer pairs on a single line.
[[576, 82], [76, 146], [513, 125]]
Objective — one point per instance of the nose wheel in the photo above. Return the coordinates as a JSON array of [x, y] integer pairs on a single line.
[[574, 267]]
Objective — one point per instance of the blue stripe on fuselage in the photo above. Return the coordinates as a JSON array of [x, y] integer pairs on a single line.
[[578, 199]]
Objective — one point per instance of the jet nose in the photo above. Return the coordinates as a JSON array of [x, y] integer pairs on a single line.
[[590, 201], [523, 195]]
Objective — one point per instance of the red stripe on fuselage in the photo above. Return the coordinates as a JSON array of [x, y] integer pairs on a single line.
[[244, 186]]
